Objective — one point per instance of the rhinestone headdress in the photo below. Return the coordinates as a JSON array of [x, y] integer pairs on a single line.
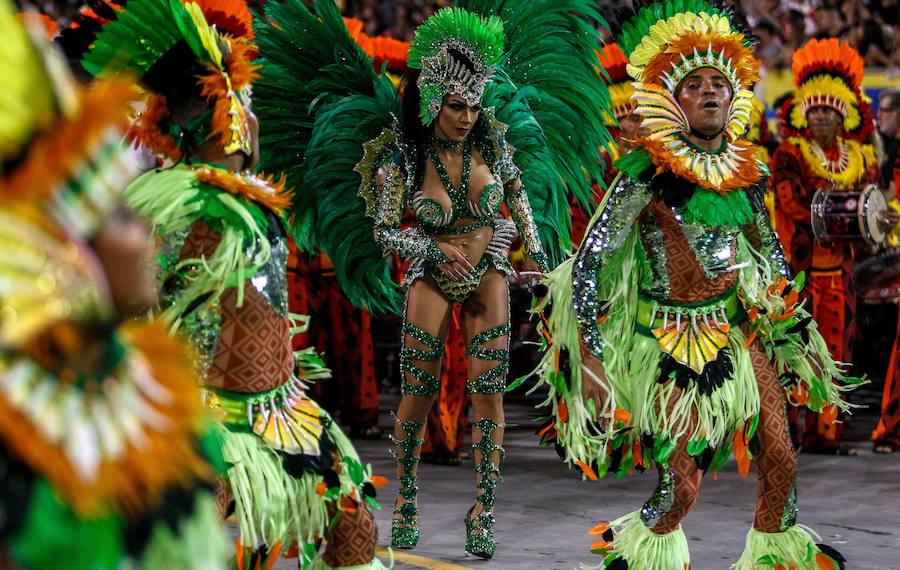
[[456, 51]]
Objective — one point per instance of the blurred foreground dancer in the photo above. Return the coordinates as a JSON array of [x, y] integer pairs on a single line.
[[676, 328], [292, 477], [102, 440]]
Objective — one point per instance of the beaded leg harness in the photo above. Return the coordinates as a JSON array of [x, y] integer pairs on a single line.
[[405, 524], [480, 528], [493, 380], [426, 384]]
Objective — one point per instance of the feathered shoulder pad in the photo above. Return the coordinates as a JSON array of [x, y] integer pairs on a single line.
[[497, 152], [387, 148]]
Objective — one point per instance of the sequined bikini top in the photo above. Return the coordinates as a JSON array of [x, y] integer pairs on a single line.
[[431, 214]]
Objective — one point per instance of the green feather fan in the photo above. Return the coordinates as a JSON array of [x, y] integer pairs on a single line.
[[318, 100], [549, 78]]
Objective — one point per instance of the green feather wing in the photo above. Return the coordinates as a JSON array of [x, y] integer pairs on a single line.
[[341, 228], [549, 93], [318, 100]]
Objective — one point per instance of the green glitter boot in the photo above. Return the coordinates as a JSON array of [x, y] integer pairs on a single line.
[[405, 524], [480, 528]]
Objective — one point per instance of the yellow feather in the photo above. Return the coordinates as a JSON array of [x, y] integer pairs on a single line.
[[27, 101], [208, 36]]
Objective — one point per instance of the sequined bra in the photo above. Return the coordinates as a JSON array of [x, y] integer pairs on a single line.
[[430, 213]]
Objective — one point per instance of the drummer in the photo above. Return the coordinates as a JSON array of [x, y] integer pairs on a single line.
[[824, 148]]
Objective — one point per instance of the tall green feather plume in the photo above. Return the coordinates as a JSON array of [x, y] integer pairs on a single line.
[[634, 30], [140, 36], [318, 100], [548, 79], [484, 36]]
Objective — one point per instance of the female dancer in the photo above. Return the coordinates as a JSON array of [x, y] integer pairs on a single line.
[[455, 180], [442, 153]]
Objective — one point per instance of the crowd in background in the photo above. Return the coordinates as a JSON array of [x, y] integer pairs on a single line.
[[871, 26]]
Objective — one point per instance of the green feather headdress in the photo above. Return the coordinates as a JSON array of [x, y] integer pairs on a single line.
[[456, 51]]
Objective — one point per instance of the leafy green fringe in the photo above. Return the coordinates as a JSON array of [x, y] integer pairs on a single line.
[[794, 548], [631, 364], [173, 199], [643, 548], [272, 505], [201, 541]]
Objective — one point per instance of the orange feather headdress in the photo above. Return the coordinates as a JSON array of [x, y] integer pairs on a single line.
[[829, 73]]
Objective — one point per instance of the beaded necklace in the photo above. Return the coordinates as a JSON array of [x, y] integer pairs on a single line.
[[444, 143]]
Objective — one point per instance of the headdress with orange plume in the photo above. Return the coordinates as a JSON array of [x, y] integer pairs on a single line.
[[665, 42], [829, 73]]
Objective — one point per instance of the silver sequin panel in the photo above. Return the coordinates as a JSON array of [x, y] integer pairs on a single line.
[[626, 200], [714, 248], [271, 279]]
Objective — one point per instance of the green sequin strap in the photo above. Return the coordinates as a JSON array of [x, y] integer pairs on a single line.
[[493, 380], [427, 384], [480, 529], [404, 530], [485, 466], [457, 196]]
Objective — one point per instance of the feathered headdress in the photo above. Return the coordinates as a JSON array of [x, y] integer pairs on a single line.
[[456, 51], [667, 41], [621, 89], [198, 49], [829, 73], [62, 171]]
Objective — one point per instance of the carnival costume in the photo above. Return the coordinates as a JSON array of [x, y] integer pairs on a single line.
[[826, 73], [344, 122], [103, 468], [681, 289], [292, 477]]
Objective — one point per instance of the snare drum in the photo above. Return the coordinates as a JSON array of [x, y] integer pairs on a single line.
[[838, 215]]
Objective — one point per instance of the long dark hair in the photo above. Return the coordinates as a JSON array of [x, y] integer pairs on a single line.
[[415, 134]]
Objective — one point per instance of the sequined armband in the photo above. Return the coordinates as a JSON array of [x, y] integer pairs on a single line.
[[607, 234], [520, 208]]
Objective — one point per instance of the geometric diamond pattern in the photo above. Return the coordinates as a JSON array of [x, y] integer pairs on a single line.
[[776, 462], [351, 541], [688, 281], [254, 352]]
